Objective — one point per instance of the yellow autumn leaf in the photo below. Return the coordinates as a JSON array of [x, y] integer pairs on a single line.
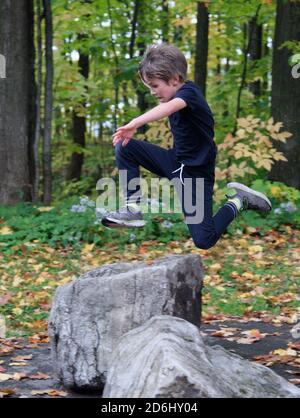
[[255, 249], [16, 281], [275, 191], [45, 208], [288, 352], [278, 156], [248, 275], [17, 311], [5, 230], [243, 122], [238, 154], [215, 267], [87, 248], [242, 242], [177, 250]]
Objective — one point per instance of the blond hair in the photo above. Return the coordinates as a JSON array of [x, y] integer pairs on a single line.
[[163, 61]]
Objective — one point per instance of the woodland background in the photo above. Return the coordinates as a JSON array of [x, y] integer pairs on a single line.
[[70, 78]]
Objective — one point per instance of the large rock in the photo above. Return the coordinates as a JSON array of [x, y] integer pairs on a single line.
[[167, 358], [89, 315]]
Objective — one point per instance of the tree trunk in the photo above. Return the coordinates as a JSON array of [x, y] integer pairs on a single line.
[[246, 48], [47, 169], [165, 19], [140, 11], [286, 93], [201, 46], [37, 133], [17, 100], [79, 122], [255, 50]]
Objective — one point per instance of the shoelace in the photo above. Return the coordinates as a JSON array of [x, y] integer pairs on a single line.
[[181, 170]]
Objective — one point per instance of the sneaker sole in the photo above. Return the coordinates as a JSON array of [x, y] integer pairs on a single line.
[[110, 225], [239, 186], [115, 223]]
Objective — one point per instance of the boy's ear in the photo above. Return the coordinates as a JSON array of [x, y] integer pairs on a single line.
[[175, 80]]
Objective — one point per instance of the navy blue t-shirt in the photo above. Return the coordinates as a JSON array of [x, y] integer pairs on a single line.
[[193, 127]]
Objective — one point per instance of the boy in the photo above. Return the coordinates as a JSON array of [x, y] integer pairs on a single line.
[[164, 70]]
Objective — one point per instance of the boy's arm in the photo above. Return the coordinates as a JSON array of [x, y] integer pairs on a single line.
[[126, 132], [160, 111]]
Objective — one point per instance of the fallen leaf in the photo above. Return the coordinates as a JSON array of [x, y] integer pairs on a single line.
[[255, 249], [22, 358], [50, 392], [19, 376], [5, 230], [38, 338], [292, 371], [5, 376], [45, 208], [18, 364], [39, 375], [288, 352], [296, 346], [5, 351], [246, 340], [6, 298], [295, 381], [254, 333], [87, 248], [7, 392], [222, 333]]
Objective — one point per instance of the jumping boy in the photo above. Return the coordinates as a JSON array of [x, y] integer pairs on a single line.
[[164, 71]]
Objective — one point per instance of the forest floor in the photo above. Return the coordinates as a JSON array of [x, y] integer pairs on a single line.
[[27, 372], [251, 300]]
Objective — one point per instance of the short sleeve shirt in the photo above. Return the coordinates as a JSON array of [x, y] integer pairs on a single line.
[[193, 127]]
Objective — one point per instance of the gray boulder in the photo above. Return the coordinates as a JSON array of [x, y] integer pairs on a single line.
[[89, 315], [167, 358]]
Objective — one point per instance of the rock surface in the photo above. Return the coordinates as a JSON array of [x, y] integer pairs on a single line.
[[166, 357], [89, 315]]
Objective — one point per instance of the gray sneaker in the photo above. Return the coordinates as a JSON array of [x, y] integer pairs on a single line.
[[250, 198], [125, 217]]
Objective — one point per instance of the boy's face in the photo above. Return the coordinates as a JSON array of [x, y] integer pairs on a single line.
[[161, 90]]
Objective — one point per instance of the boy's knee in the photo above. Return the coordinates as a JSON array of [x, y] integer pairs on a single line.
[[120, 150], [204, 243]]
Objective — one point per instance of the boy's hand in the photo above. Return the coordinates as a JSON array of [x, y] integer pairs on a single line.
[[124, 133]]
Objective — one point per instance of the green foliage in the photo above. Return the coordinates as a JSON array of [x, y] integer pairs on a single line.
[[285, 209], [280, 192], [71, 224], [56, 226]]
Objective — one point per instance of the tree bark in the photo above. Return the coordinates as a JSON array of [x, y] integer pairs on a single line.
[[246, 48], [17, 101], [47, 169], [117, 67], [165, 20], [201, 46], [79, 122], [255, 51], [37, 134], [286, 93]]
